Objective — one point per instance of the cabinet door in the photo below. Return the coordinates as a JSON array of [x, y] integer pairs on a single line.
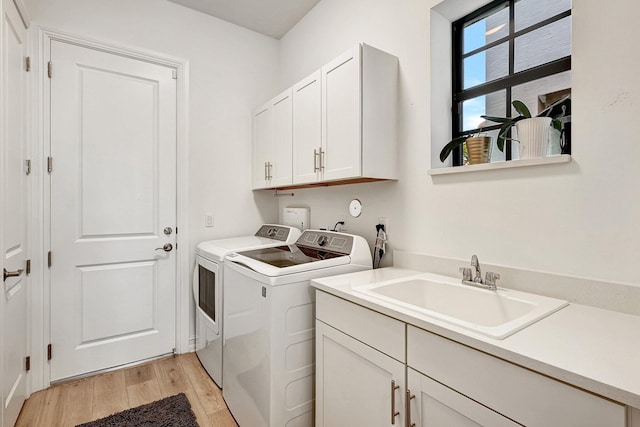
[[307, 132], [262, 144], [280, 170], [354, 382], [435, 405], [341, 106]]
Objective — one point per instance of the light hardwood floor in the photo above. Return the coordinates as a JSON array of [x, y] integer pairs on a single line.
[[88, 399]]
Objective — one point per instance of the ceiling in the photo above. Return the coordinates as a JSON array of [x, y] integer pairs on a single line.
[[272, 18]]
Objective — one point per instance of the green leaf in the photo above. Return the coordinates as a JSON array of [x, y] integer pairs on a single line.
[[521, 108], [557, 125], [503, 134], [447, 149], [497, 119]]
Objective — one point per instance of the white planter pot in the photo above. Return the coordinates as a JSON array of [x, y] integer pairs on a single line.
[[533, 137]]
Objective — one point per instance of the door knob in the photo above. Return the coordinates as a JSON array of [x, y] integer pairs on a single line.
[[168, 230], [6, 274], [167, 247]]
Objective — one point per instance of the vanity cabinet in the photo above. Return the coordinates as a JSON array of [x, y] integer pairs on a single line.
[[272, 139], [345, 119], [357, 383], [360, 351]]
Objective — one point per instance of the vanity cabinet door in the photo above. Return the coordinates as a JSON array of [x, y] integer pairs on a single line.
[[434, 405], [355, 382]]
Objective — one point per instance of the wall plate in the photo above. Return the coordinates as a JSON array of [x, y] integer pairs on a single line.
[[355, 208]]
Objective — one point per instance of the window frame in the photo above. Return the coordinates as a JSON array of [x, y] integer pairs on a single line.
[[460, 94]]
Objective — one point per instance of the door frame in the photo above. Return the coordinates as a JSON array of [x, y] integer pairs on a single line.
[[41, 217]]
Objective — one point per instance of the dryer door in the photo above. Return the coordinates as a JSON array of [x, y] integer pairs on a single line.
[[206, 291]]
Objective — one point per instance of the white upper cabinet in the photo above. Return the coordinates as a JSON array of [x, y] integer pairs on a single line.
[[358, 119], [272, 138], [307, 129], [343, 121]]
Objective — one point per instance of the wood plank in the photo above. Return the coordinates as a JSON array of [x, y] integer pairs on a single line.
[[76, 402], [139, 374], [109, 394], [209, 394], [171, 377], [222, 418], [143, 393]]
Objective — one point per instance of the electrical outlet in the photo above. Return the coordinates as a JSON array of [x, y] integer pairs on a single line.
[[208, 220]]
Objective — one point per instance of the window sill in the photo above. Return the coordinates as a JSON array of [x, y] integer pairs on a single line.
[[563, 158]]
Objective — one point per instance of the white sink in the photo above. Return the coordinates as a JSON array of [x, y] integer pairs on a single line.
[[497, 314]]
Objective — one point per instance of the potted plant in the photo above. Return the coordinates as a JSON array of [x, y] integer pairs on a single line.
[[478, 148], [532, 128]]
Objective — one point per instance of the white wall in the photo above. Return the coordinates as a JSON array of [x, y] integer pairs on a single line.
[[579, 218], [231, 71]]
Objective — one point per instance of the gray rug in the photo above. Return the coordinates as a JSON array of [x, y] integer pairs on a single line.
[[173, 411]]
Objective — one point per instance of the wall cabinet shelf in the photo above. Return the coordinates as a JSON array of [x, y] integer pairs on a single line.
[[343, 124]]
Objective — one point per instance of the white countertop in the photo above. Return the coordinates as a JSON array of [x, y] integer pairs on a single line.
[[591, 348]]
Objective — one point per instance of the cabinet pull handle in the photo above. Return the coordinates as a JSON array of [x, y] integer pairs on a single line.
[[322, 153], [408, 410], [269, 170], [266, 171], [316, 158], [394, 413]]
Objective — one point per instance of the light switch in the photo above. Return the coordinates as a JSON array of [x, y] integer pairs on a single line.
[[208, 220]]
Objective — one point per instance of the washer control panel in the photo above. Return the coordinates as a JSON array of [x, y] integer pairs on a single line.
[[276, 232], [326, 240]]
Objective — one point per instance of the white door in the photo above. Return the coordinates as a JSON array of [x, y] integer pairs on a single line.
[[14, 205], [341, 101], [262, 145], [356, 385], [281, 169], [307, 129], [113, 208]]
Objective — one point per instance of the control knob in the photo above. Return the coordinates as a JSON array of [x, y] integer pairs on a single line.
[[322, 240]]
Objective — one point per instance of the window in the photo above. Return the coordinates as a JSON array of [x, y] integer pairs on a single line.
[[508, 50]]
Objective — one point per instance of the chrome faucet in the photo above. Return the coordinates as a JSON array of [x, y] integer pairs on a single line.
[[476, 264], [490, 279]]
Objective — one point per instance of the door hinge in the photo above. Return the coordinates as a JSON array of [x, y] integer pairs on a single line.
[[49, 69], [27, 363], [28, 267], [27, 167], [49, 164], [27, 64], [49, 259], [49, 352]]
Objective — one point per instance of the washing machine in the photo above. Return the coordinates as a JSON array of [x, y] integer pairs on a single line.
[[208, 278], [269, 361]]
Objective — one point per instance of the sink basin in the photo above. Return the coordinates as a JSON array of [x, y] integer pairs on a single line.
[[496, 314]]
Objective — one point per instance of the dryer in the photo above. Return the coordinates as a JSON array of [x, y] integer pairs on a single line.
[[269, 360], [207, 288]]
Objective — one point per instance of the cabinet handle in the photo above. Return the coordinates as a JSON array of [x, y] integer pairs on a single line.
[[316, 158], [269, 171], [408, 411], [394, 413], [266, 171], [321, 159]]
